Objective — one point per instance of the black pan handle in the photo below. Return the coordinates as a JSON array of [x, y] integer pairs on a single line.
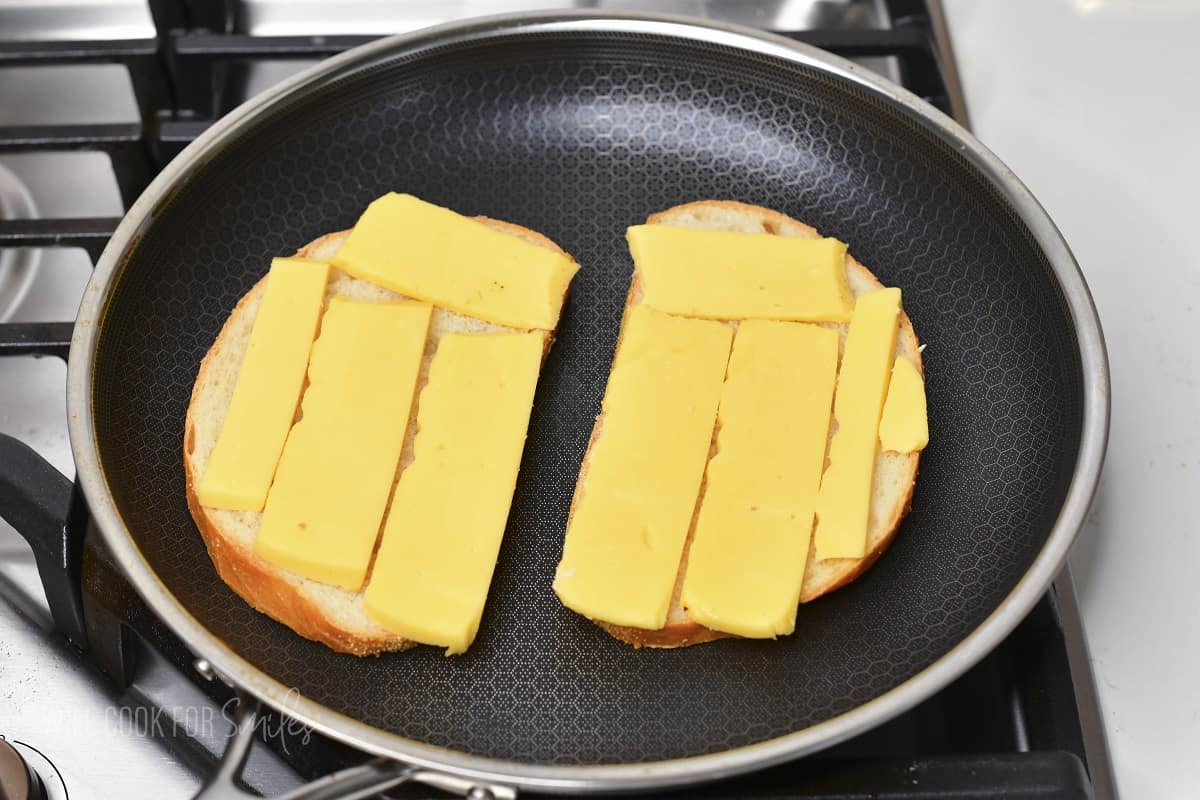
[[356, 783], [49, 512]]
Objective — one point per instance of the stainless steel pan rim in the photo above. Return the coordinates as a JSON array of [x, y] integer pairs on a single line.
[[607, 778]]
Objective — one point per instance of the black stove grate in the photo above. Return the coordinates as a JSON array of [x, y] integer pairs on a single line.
[[181, 81], [1011, 727]]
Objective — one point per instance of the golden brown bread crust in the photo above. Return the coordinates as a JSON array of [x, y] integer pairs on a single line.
[[260, 585], [258, 582], [681, 631]]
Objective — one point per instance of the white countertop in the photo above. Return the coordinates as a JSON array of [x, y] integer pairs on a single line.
[[1095, 104]]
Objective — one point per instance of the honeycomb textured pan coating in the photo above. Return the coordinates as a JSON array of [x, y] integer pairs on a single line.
[[579, 136]]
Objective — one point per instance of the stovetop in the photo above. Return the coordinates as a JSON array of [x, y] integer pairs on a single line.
[[96, 695]]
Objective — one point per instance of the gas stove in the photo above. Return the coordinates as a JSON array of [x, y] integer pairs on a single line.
[[97, 697]]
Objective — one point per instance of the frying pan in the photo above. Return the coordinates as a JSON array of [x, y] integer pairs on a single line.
[[578, 127]]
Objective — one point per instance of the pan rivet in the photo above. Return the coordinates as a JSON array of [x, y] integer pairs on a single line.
[[480, 793], [204, 668]]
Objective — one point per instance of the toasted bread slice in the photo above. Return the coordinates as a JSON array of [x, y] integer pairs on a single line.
[[327, 614], [895, 473]]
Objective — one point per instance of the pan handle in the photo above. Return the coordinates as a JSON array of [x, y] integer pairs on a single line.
[[49, 512], [356, 783]]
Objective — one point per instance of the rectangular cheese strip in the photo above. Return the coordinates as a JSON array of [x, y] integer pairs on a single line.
[[904, 427], [431, 253], [728, 275], [443, 532], [844, 502], [634, 507], [268, 386], [746, 563], [323, 512]]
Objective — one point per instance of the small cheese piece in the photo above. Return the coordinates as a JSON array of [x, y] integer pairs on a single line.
[[634, 508], [844, 502], [324, 510], [746, 563], [431, 253], [728, 275], [442, 536], [904, 427], [268, 387]]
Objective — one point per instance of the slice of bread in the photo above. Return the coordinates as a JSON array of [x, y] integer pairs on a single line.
[[895, 473], [327, 614]]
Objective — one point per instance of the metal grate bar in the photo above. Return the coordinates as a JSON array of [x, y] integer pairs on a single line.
[[60, 52], [122, 141], [90, 233], [36, 338], [244, 46], [50, 137], [140, 57], [921, 73]]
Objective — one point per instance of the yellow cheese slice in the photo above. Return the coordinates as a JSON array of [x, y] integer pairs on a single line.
[[746, 563], [844, 502], [904, 427], [323, 511], [634, 507], [729, 275], [268, 387], [431, 253], [442, 536]]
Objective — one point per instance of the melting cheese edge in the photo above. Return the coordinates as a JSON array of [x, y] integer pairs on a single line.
[[634, 505], [726, 275], [323, 512], [443, 532], [439, 256], [267, 388], [904, 427], [844, 500], [746, 564]]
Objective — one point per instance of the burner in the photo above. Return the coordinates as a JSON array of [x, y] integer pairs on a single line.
[[18, 780], [17, 267]]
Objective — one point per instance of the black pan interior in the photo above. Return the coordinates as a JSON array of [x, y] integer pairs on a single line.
[[579, 136]]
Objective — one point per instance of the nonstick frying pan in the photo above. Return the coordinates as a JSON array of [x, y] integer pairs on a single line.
[[579, 127]]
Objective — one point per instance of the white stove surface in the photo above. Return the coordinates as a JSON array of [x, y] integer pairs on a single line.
[[1094, 104]]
